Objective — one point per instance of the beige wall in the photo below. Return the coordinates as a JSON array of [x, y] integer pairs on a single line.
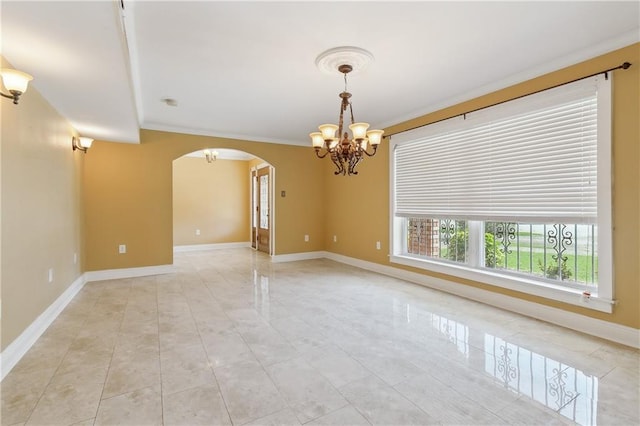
[[213, 198], [359, 224], [128, 197], [41, 210], [357, 209]]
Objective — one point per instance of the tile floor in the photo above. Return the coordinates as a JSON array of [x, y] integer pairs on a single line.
[[233, 339]]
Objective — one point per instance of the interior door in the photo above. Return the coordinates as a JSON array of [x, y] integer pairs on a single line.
[[264, 209], [255, 208]]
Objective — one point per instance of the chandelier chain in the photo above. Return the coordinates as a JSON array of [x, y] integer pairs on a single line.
[[350, 105], [343, 106], [351, 110]]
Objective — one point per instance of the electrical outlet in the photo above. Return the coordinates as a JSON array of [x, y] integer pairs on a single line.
[[50, 275], [306, 238], [122, 248], [335, 238], [377, 245], [197, 232]]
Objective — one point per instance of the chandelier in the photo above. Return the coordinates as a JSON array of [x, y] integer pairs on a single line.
[[210, 155], [346, 152]]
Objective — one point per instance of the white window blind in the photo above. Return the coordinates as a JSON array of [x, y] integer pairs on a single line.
[[530, 160]]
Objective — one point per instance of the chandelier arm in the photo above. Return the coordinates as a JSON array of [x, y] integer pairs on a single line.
[[375, 148], [339, 165], [318, 153]]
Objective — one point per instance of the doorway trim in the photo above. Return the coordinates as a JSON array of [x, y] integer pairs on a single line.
[[272, 205]]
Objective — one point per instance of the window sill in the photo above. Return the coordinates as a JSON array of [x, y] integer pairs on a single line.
[[523, 285]]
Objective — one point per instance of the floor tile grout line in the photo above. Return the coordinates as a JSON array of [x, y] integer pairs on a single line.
[[262, 366], [372, 372], [106, 377], [215, 377], [44, 389], [155, 284], [388, 385], [357, 361], [266, 373], [349, 404]]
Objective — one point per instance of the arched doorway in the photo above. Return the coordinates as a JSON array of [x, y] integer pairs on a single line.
[[217, 202]]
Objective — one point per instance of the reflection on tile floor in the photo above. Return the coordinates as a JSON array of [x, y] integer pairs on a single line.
[[233, 339]]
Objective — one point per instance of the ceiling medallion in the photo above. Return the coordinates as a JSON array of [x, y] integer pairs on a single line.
[[330, 60]]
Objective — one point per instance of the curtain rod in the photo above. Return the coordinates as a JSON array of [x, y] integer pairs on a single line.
[[624, 66]]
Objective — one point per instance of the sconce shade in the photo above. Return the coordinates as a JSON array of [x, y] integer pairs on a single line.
[[81, 143], [85, 142], [14, 80]]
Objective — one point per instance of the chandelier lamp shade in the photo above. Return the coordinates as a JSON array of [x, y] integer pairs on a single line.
[[345, 151], [15, 82]]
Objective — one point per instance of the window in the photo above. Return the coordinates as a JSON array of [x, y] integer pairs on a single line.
[[516, 195]]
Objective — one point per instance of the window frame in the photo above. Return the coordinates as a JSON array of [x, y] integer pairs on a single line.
[[603, 300]]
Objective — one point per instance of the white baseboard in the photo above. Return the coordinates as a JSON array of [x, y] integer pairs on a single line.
[[16, 349], [292, 257], [218, 246], [114, 274], [604, 329]]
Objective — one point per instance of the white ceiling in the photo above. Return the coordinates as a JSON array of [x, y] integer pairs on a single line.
[[247, 69]]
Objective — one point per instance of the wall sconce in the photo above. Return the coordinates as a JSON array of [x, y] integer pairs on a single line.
[[211, 156], [15, 82], [81, 143]]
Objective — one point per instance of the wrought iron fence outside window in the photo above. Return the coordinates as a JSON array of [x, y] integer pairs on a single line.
[[565, 254]]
